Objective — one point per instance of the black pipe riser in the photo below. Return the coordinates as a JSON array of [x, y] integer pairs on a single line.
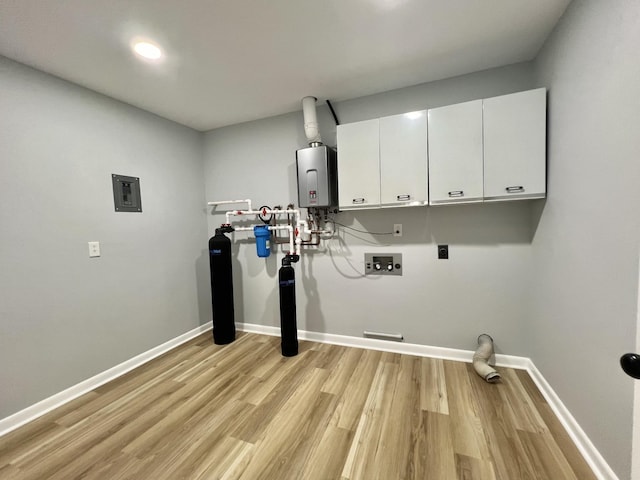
[[224, 327], [288, 321]]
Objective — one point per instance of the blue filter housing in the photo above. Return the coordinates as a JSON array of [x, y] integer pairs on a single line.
[[262, 235]]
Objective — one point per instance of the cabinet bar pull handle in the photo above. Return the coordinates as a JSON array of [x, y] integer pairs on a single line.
[[357, 200], [456, 193], [515, 189], [403, 198]]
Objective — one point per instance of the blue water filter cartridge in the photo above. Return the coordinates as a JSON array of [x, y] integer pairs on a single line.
[[262, 235]]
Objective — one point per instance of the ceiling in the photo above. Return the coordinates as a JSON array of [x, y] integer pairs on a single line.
[[230, 61]]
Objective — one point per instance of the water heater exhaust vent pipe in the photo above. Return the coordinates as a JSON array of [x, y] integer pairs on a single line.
[[481, 359], [311, 121]]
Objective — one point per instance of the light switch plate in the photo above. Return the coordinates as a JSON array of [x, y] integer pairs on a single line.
[[94, 249]]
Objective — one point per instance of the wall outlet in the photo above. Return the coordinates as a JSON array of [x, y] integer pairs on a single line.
[[443, 252], [397, 229], [94, 249]]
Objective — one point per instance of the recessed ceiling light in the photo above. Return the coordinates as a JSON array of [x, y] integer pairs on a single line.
[[414, 115], [147, 50]]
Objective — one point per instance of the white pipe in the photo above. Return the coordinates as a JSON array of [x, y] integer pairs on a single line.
[[298, 244], [265, 211], [292, 248], [227, 202], [294, 240], [310, 119], [303, 230], [481, 359]]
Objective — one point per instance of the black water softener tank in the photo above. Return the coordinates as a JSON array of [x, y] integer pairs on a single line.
[[224, 327], [288, 321]]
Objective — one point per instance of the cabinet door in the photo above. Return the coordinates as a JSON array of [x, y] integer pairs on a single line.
[[515, 146], [359, 165], [455, 153], [403, 159]]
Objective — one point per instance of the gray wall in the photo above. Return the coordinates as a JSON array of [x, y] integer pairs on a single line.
[[585, 249], [63, 316], [556, 280], [482, 288]]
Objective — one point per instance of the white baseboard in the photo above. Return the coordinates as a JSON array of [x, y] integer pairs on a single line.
[[34, 411], [389, 346], [593, 458]]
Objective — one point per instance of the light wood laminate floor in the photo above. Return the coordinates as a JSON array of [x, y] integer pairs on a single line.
[[243, 411]]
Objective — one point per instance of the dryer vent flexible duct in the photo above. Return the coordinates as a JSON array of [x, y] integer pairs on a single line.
[[311, 121], [481, 359]]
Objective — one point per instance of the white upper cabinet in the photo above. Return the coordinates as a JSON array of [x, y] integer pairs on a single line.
[[383, 162], [455, 153], [359, 164], [515, 146], [403, 159], [483, 150]]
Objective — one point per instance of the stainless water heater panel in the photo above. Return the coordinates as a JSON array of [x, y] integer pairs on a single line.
[[317, 177]]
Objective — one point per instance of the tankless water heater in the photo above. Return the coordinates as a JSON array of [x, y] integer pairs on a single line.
[[317, 177]]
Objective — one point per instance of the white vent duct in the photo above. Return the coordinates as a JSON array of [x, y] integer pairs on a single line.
[[311, 121]]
